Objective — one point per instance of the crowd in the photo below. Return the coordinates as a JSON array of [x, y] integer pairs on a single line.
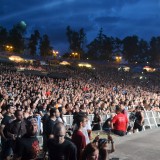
[[28, 100]]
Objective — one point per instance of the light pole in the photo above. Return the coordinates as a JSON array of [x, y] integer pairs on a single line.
[[75, 55], [9, 48], [118, 59], [55, 53]]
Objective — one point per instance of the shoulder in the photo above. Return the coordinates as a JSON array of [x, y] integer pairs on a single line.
[[69, 144], [78, 133], [59, 119]]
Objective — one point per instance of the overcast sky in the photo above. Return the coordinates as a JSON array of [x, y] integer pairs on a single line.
[[118, 18]]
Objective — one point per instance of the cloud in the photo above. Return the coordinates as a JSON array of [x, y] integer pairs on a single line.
[[118, 18]]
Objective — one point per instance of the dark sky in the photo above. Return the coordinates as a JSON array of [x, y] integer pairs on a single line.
[[118, 18]]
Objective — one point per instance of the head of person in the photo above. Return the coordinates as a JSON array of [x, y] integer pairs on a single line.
[[118, 109], [44, 106], [96, 112], [32, 126], [62, 110], [102, 143], [19, 115], [82, 108], [59, 132], [81, 120], [122, 105], [90, 152], [54, 112], [10, 109], [27, 109], [59, 100], [138, 109]]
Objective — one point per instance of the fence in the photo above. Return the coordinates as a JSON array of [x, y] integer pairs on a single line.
[[151, 119]]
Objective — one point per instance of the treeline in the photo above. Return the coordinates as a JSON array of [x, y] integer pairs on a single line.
[[16, 38], [102, 47]]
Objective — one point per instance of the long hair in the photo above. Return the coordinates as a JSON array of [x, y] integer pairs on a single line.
[[88, 151]]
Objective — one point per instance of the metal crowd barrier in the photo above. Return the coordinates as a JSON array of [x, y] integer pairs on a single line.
[[151, 119]]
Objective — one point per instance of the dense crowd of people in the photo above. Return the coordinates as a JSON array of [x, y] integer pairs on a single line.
[[28, 101]]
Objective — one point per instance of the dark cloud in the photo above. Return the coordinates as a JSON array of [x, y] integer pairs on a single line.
[[107, 19], [118, 18]]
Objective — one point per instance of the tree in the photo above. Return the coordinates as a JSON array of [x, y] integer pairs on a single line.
[[3, 37], [117, 45], [45, 48], [155, 49], [143, 55], [33, 42], [16, 39], [101, 47], [130, 48], [76, 40]]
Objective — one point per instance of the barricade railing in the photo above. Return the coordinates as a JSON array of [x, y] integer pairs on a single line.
[[69, 119], [157, 117], [151, 119]]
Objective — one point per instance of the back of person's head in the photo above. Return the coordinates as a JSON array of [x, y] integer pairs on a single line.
[[137, 108], [90, 152], [52, 111], [102, 142], [82, 107], [48, 107], [118, 109]]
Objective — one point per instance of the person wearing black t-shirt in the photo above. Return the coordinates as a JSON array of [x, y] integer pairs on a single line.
[[59, 148], [5, 141], [28, 146], [52, 120], [16, 129], [139, 119]]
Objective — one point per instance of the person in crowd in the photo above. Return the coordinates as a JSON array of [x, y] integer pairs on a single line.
[[28, 146], [84, 89], [59, 148], [90, 152], [45, 119], [98, 149], [119, 122], [97, 121], [5, 141], [43, 109], [139, 119], [107, 125], [27, 112], [16, 129], [78, 137], [62, 112], [104, 149], [53, 119]]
